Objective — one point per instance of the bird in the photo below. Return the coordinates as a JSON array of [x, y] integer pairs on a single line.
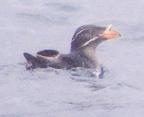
[[82, 52]]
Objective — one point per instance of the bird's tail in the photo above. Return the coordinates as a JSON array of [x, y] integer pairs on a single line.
[[33, 62]]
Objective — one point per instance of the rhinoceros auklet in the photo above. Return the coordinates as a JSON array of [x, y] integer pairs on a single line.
[[82, 54]]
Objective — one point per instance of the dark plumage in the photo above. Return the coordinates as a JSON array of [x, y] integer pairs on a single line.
[[82, 53]]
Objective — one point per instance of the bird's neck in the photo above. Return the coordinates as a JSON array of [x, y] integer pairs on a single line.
[[89, 53]]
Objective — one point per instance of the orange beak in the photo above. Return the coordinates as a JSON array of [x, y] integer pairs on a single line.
[[109, 33]]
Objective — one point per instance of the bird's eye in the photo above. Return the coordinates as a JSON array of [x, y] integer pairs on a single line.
[[100, 34]]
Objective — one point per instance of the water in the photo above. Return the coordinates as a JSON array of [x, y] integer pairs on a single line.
[[30, 26]]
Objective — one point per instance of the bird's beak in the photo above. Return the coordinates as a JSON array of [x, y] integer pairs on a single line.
[[110, 33]]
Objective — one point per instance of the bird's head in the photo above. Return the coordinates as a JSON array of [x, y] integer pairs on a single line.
[[90, 36]]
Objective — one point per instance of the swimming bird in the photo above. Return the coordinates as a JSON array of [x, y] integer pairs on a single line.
[[82, 53]]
